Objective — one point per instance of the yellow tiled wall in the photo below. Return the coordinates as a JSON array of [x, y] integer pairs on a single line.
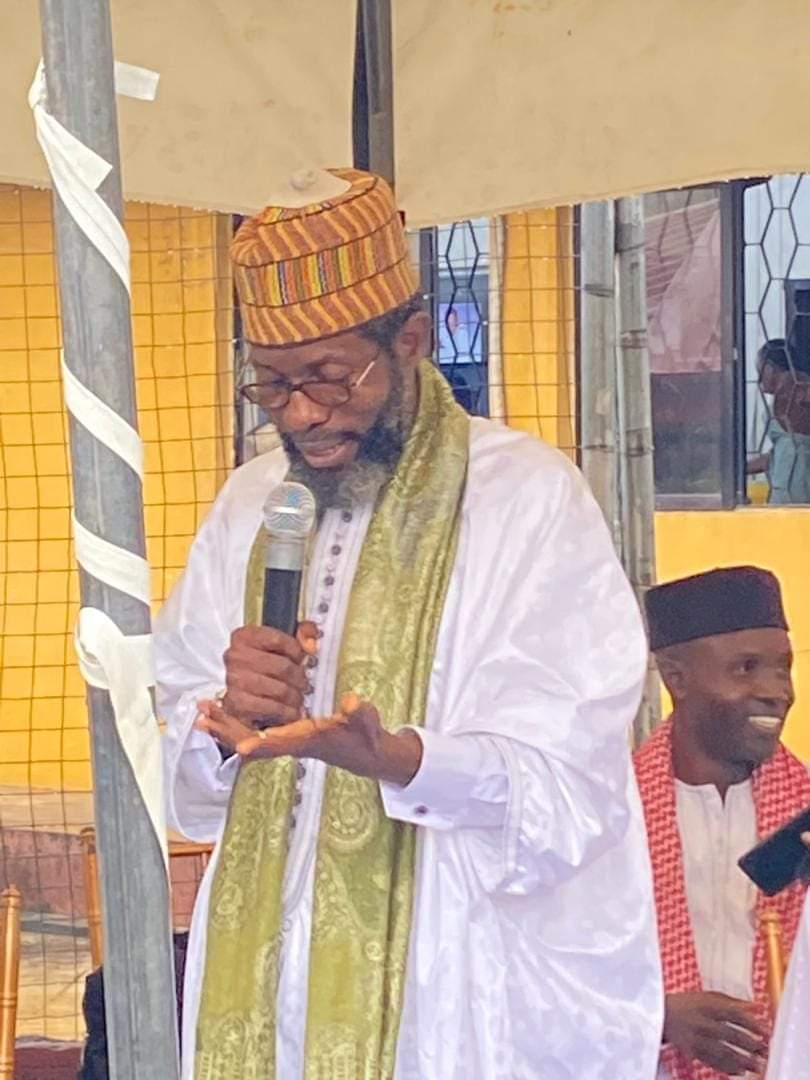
[[181, 304], [537, 327]]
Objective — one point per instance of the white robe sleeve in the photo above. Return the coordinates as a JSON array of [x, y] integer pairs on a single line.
[[192, 632], [789, 1055], [190, 639], [526, 747]]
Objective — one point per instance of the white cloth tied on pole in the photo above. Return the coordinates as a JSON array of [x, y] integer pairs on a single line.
[[108, 659], [78, 171], [123, 665]]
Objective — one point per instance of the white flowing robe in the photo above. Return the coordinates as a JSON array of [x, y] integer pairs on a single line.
[[533, 950], [789, 1057]]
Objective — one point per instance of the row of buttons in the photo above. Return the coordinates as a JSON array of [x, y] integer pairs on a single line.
[[322, 610]]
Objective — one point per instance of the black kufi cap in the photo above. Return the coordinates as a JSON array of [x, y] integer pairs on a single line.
[[717, 602]]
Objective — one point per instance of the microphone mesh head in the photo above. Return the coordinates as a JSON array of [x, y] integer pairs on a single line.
[[289, 511]]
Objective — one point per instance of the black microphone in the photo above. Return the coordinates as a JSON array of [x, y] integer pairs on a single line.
[[289, 514]]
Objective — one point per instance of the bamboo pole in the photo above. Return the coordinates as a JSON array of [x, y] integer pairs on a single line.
[[597, 404], [636, 479], [92, 896], [10, 902]]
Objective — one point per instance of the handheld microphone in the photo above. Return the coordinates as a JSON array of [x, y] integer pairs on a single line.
[[289, 514]]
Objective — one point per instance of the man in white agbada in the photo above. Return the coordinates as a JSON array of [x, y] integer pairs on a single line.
[[444, 874], [790, 1046]]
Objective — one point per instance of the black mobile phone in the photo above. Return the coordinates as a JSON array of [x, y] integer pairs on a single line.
[[776, 861]]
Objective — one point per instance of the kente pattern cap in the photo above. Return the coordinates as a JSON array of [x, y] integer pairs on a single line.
[[310, 272], [717, 602]]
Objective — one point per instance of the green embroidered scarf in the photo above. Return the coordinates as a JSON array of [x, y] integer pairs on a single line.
[[365, 862]]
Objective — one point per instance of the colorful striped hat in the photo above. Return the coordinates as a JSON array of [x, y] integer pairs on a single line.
[[307, 273]]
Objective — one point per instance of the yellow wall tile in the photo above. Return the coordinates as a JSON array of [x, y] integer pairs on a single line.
[[75, 745], [45, 746], [17, 651], [168, 329], [76, 776], [167, 298], [11, 270], [47, 714], [174, 424], [172, 392], [10, 205], [43, 333], [19, 618], [53, 491], [16, 683], [20, 588], [21, 556], [13, 334], [180, 521], [14, 746], [10, 238], [14, 396], [46, 397], [35, 204], [51, 460], [37, 237], [39, 269], [49, 682], [15, 716], [41, 300], [138, 233], [51, 610], [17, 460], [12, 302], [44, 365], [74, 712]]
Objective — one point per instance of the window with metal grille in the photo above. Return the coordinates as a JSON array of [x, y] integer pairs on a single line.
[[454, 271], [688, 347], [728, 273], [776, 338]]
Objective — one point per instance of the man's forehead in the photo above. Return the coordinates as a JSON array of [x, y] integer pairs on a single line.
[[341, 348], [761, 640]]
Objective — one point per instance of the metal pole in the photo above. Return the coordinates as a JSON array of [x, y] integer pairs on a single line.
[[635, 425], [376, 16], [138, 963], [496, 380], [597, 398]]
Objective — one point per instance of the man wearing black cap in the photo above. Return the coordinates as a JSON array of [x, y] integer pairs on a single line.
[[714, 779]]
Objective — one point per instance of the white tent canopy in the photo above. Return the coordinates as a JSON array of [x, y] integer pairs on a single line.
[[497, 105]]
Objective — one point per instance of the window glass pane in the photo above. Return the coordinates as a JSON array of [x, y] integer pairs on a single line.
[[682, 250], [776, 269], [461, 306]]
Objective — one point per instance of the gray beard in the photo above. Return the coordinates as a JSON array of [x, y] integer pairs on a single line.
[[375, 463]]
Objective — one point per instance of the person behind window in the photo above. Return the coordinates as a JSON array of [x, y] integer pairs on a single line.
[[787, 463]]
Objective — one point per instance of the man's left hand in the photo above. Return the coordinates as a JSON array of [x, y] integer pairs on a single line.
[[353, 739]]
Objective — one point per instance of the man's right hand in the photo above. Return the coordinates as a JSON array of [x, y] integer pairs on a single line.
[[265, 674], [718, 1030]]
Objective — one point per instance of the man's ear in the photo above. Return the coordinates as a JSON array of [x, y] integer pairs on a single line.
[[413, 343], [672, 668]]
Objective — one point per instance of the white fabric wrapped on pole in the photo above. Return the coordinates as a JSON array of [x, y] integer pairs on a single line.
[[108, 659]]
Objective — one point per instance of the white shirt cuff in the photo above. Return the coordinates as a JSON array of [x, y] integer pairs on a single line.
[[461, 781]]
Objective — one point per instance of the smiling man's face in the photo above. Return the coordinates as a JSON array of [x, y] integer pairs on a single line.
[[734, 691]]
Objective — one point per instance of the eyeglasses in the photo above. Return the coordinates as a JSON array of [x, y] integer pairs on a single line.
[[276, 393]]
